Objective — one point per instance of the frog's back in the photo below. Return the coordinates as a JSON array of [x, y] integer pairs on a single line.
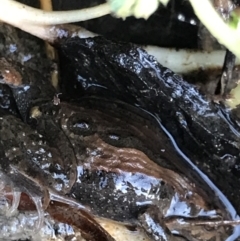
[[120, 196], [122, 164]]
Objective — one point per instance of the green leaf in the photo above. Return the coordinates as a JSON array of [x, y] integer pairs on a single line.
[[137, 8], [234, 20]]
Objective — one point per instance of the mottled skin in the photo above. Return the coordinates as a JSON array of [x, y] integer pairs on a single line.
[[120, 183], [203, 130], [39, 170], [114, 162]]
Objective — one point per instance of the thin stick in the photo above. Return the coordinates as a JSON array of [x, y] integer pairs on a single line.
[[12, 12], [46, 5]]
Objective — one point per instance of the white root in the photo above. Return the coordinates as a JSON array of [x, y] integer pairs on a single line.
[[25, 15], [16, 13], [38, 23], [183, 61]]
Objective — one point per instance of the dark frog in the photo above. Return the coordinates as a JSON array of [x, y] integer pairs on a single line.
[[111, 158], [123, 172], [113, 179]]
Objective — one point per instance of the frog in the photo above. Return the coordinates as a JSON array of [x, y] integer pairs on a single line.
[[81, 190], [19, 141], [204, 132], [113, 163]]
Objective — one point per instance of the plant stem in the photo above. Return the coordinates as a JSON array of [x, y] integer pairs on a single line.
[[225, 34]]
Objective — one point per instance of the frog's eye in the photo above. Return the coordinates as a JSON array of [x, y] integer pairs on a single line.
[[114, 137], [81, 126]]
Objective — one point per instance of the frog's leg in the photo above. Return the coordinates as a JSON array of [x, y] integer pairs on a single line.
[[90, 228], [39, 195], [15, 202], [153, 224], [15, 193]]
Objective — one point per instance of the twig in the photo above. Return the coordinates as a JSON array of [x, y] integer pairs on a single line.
[[46, 5]]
